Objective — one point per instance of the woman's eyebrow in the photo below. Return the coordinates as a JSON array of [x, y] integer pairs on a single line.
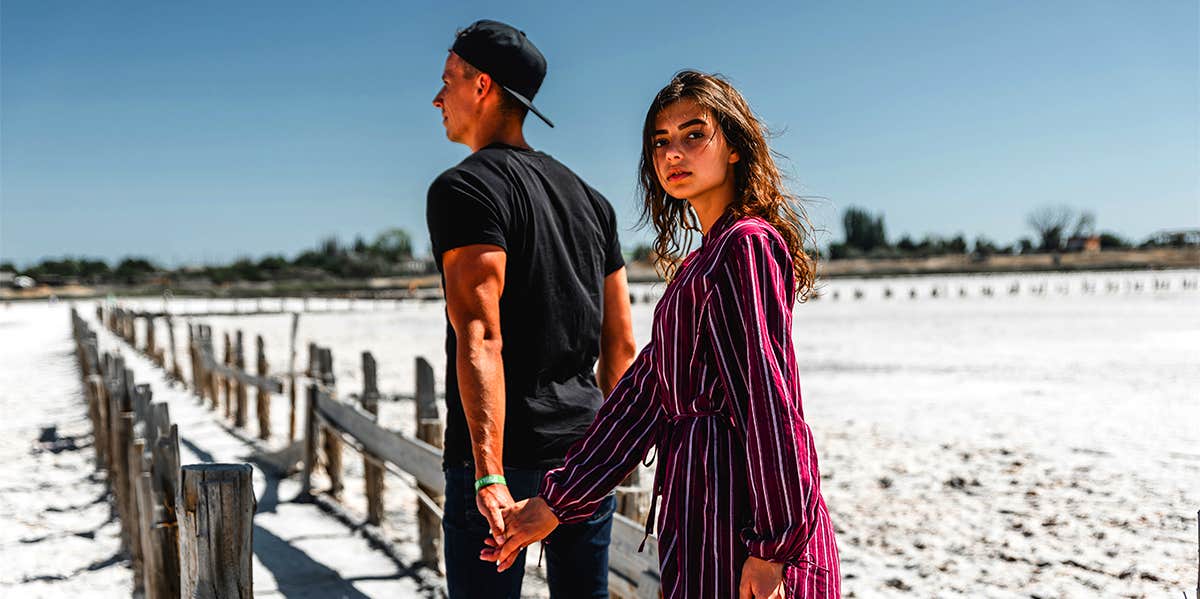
[[683, 126]]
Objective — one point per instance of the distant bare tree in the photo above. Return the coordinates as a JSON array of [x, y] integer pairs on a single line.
[[1086, 225], [1050, 223]]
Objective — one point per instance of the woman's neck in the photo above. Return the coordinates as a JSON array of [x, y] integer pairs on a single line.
[[710, 205]]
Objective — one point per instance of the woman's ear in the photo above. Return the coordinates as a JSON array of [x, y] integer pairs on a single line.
[[733, 157]]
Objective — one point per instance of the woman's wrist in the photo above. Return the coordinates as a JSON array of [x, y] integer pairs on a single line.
[[549, 508]]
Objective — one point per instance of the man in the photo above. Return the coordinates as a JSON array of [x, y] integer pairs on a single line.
[[536, 299]]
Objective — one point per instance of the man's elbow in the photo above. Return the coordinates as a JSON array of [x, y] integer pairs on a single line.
[[479, 339], [620, 350]]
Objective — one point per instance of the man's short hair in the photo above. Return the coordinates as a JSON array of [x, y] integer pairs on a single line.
[[508, 104]]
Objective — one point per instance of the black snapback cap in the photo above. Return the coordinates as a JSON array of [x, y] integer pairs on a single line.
[[507, 56]]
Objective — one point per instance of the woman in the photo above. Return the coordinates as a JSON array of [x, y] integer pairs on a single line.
[[716, 389]]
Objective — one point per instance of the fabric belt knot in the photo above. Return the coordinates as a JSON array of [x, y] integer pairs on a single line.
[[664, 435]]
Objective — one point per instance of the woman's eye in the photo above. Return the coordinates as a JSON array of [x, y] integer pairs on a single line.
[[658, 143], [695, 135]]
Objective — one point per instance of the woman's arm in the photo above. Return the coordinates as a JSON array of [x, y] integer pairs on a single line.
[[619, 437], [749, 313]]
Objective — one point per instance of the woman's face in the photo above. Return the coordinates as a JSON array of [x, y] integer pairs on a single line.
[[691, 157]]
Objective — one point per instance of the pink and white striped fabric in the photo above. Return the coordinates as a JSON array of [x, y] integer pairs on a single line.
[[716, 392]]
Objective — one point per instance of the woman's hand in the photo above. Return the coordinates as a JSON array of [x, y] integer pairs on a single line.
[[761, 580], [525, 523]]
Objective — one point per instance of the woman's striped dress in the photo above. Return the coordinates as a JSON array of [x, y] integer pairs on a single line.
[[716, 392]]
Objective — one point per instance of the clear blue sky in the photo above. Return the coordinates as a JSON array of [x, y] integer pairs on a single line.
[[202, 131]]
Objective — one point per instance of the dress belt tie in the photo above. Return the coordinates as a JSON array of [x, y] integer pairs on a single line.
[[665, 434]]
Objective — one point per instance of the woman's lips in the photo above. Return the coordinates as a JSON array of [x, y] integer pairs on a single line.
[[673, 177]]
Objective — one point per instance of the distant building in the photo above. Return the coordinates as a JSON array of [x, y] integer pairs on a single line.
[[416, 266], [1175, 238], [1090, 243], [7, 278]]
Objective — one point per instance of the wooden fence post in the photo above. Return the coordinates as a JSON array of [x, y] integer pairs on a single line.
[[191, 349], [175, 371], [161, 482], [333, 443], [239, 362], [166, 474], [131, 455], [211, 375], [226, 381], [98, 393], [151, 346], [292, 376], [216, 530], [310, 440], [120, 437], [263, 397], [429, 430], [372, 468]]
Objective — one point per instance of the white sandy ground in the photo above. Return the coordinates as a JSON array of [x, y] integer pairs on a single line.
[[56, 536], [50, 500], [1013, 446]]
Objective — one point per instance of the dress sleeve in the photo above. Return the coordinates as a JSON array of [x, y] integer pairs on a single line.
[[617, 440], [749, 317]]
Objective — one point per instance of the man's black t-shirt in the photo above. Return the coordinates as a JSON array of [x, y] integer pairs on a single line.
[[560, 237]]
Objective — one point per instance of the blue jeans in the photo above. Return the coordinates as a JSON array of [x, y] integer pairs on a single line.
[[576, 554]]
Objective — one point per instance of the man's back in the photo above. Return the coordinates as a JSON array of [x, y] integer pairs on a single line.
[[561, 242]]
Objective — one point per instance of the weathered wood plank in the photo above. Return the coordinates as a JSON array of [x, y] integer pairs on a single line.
[[216, 528], [416, 457], [227, 381], [229, 373], [242, 407], [429, 430], [262, 404], [292, 378], [624, 559], [372, 470], [311, 429]]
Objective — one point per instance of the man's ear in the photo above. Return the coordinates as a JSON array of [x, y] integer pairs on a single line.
[[483, 83]]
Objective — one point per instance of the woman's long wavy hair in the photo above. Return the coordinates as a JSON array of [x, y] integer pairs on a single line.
[[758, 185]]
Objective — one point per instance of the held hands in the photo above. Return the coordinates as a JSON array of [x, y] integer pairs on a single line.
[[761, 580], [492, 500], [525, 523]]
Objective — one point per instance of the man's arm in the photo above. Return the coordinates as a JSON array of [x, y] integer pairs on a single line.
[[617, 347], [474, 283]]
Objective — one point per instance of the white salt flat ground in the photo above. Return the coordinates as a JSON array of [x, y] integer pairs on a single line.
[[1012, 445], [48, 500]]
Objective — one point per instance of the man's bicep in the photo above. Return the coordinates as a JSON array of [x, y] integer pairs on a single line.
[[474, 283]]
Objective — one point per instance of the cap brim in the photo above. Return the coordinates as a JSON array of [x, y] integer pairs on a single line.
[[525, 101]]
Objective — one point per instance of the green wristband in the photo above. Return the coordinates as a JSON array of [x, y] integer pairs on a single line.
[[491, 479]]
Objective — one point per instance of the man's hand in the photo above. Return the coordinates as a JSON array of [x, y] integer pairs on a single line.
[[492, 500], [526, 523], [761, 580]]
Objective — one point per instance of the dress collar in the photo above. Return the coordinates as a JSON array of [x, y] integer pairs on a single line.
[[722, 223]]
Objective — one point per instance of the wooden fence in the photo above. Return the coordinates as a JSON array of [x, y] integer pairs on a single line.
[[334, 421], [186, 529]]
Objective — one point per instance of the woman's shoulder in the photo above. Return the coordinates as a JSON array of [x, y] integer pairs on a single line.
[[749, 232]]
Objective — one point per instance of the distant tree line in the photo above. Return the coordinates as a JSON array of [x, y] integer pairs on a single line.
[[389, 254], [1054, 229]]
